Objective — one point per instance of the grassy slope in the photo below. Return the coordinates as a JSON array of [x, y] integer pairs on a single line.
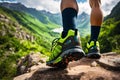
[[32, 23], [110, 35], [42, 33]]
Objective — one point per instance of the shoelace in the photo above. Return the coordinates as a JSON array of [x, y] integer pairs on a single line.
[[54, 43]]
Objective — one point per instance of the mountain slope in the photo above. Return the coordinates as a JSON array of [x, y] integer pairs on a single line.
[[33, 24], [115, 12], [83, 24], [42, 15], [21, 34], [15, 42], [110, 32]]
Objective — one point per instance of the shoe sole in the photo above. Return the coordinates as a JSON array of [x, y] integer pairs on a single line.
[[94, 55], [68, 56]]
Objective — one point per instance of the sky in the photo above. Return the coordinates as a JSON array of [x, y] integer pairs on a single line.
[[53, 6]]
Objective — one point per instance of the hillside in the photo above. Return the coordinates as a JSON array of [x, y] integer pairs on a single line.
[[110, 32], [83, 24], [15, 42], [41, 15], [41, 29], [21, 34], [114, 13], [83, 21]]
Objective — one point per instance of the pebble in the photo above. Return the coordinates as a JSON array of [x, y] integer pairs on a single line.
[[94, 64]]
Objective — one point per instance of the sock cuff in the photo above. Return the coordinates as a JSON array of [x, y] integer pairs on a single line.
[[95, 26], [69, 17], [95, 30], [69, 10]]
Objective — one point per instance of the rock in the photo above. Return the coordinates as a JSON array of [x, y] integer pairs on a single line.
[[32, 38], [22, 58], [16, 25], [32, 68], [110, 61], [5, 20], [80, 70], [3, 27], [33, 59], [2, 33], [22, 69], [28, 61], [94, 64], [28, 37], [2, 16], [117, 61]]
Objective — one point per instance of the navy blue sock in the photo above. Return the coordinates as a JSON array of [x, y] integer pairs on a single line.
[[69, 16], [95, 30]]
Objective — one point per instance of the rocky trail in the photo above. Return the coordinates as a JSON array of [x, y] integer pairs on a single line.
[[106, 68]]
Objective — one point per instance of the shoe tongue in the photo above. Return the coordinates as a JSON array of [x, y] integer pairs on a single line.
[[76, 31], [93, 42]]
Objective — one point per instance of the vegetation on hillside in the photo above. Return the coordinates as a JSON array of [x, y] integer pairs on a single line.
[[82, 22], [110, 36], [110, 33], [21, 34]]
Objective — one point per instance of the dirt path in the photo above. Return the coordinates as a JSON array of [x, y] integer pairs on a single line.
[[84, 69]]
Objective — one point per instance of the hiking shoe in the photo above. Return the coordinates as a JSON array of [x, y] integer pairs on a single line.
[[93, 50], [65, 50]]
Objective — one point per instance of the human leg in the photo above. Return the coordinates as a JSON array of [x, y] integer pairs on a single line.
[[96, 18], [69, 10], [67, 47]]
